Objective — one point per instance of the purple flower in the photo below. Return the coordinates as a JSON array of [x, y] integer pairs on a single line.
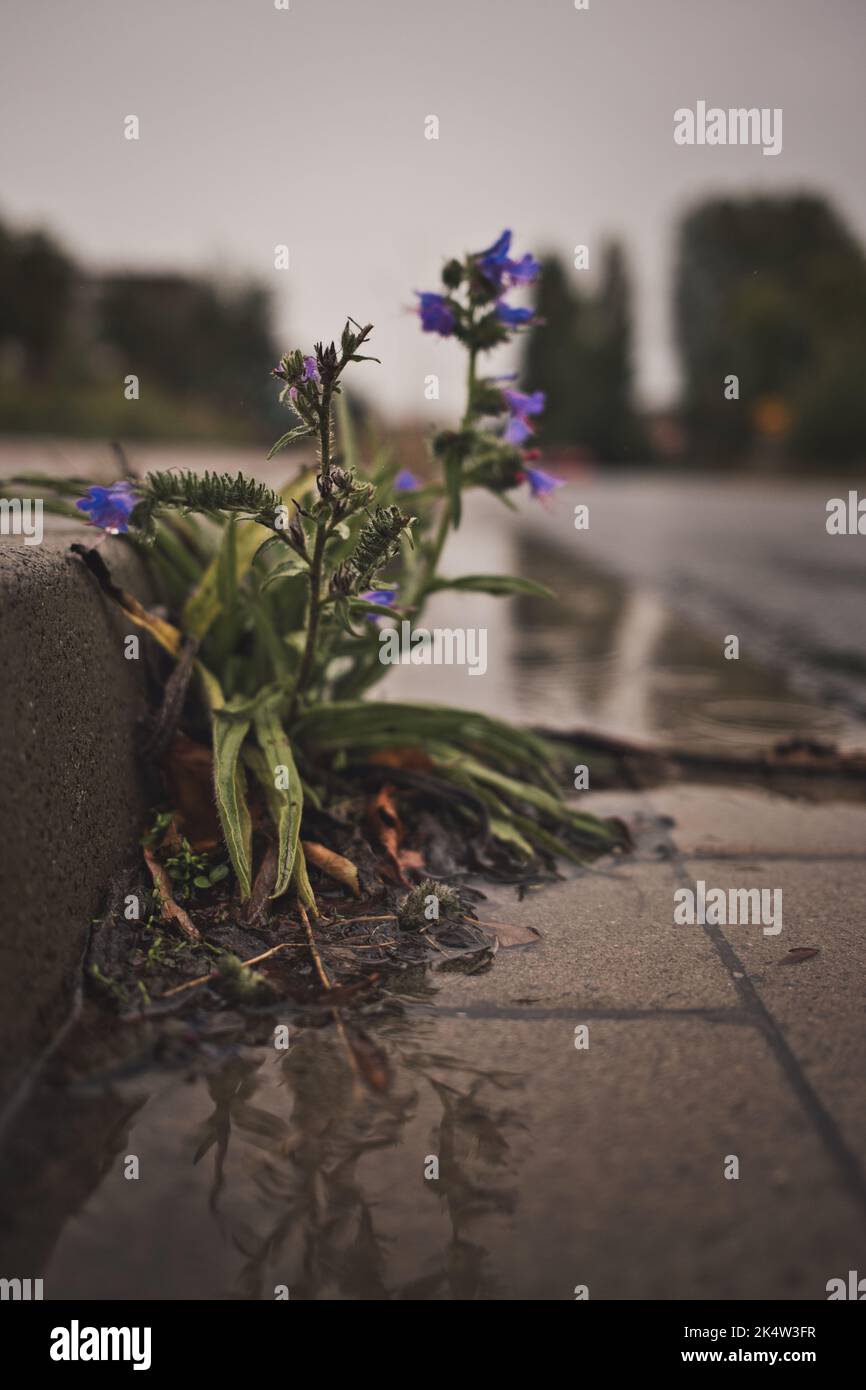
[[311, 371], [437, 315], [495, 264], [109, 507], [405, 481], [541, 483], [524, 271], [387, 597], [511, 317], [492, 262], [520, 406]]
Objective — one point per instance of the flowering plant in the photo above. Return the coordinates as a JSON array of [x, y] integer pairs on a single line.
[[269, 596]]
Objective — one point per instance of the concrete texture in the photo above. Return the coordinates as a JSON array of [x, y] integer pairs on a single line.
[[72, 805], [559, 1166]]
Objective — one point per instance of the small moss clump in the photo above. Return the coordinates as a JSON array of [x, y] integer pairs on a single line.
[[418, 909]]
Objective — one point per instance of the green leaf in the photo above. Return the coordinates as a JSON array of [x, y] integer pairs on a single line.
[[504, 831], [230, 785], [227, 566], [288, 802], [299, 432], [219, 873], [201, 882], [354, 723], [287, 570], [272, 543], [493, 584], [301, 880], [203, 604]]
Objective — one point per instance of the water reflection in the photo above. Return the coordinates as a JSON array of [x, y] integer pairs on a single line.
[[274, 1169], [615, 658]]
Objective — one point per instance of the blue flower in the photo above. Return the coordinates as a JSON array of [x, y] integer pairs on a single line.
[[541, 483], [496, 265], [437, 315], [524, 271], [511, 317], [109, 507], [521, 406], [405, 481], [386, 597]]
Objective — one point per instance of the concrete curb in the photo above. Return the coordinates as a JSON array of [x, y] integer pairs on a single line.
[[73, 804]]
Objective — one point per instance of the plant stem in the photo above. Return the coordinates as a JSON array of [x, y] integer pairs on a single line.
[[308, 657], [445, 519], [313, 620]]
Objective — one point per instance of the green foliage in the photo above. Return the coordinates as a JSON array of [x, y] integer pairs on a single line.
[[773, 290], [276, 603], [579, 353], [203, 347]]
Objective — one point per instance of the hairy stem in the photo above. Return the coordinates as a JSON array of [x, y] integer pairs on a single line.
[[445, 519], [312, 633]]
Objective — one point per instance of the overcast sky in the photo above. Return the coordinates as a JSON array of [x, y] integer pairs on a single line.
[[306, 127]]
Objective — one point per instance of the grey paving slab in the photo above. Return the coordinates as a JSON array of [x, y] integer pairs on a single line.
[[818, 1003], [608, 941], [711, 821]]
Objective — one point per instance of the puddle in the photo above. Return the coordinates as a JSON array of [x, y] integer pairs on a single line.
[[274, 1168], [260, 1169], [620, 661]]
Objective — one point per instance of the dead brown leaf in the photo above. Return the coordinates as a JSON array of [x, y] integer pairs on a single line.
[[171, 911], [335, 865], [798, 953], [256, 908], [508, 934], [188, 771], [390, 833]]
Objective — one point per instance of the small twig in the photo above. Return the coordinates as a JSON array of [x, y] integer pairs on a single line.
[[434, 942], [314, 950], [214, 974], [326, 984], [344, 921]]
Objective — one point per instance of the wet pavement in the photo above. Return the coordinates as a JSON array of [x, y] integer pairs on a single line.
[[504, 1160]]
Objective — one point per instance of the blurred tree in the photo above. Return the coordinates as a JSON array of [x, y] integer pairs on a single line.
[[37, 284], [579, 353], [551, 350], [772, 290], [201, 342], [202, 350]]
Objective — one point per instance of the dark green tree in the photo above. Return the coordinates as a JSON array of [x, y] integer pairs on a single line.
[[772, 290], [37, 283], [579, 353]]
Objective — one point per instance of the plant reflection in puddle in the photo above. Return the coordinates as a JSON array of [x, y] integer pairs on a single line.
[[327, 1234]]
